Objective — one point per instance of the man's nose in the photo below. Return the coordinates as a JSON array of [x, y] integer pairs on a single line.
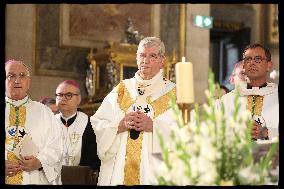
[[18, 78], [63, 98], [146, 59], [252, 63]]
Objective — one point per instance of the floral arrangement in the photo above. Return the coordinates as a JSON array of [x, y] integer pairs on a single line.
[[213, 149]]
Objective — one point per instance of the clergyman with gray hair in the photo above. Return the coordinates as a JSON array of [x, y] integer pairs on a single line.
[[129, 117], [33, 144]]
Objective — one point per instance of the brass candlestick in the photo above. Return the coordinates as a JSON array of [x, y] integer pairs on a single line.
[[185, 109]]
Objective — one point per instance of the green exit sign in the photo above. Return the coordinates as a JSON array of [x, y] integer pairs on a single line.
[[203, 21]]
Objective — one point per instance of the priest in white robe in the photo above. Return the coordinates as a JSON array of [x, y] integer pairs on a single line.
[[79, 139], [33, 145], [127, 122], [258, 96]]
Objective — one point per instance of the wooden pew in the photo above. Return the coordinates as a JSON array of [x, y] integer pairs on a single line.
[[81, 175]]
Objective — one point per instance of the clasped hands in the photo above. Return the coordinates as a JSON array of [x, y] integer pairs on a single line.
[[26, 163], [137, 121], [259, 132]]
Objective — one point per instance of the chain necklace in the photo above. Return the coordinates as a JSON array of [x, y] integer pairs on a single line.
[[70, 140], [17, 108], [141, 88], [253, 104]]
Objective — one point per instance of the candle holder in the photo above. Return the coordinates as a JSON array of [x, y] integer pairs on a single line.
[[185, 109]]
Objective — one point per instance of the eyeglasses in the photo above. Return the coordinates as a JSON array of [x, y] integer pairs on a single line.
[[152, 57], [14, 77], [257, 59], [67, 96]]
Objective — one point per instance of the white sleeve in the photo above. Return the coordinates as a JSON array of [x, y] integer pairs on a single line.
[[217, 104], [163, 125], [105, 124], [51, 154]]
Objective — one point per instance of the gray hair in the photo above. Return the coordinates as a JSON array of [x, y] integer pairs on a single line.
[[153, 41], [11, 61]]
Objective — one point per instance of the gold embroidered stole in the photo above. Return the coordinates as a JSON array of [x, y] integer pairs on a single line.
[[162, 104], [254, 104], [17, 117], [133, 160], [124, 99], [134, 147]]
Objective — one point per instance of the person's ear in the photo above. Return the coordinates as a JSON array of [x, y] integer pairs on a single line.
[[79, 100], [29, 82], [162, 62], [269, 66], [231, 79]]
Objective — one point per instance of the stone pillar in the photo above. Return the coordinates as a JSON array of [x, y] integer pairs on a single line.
[[197, 43]]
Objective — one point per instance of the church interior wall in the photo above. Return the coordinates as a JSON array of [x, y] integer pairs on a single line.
[[20, 43]]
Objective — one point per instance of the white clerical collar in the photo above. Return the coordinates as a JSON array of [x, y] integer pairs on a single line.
[[66, 118], [17, 103], [157, 77], [147, 87], [270, 88]]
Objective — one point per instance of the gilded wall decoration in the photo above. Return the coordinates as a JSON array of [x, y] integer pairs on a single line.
[[273, 32]]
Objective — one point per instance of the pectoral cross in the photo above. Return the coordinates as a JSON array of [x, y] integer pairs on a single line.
[[258, 121], [73, 137], [147, 109]]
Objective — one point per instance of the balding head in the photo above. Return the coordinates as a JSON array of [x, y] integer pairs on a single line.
[[68, 97], [17, 79], [12, 61], [72, 83]]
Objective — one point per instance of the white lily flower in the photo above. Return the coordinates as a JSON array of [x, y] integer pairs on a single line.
[[200, 155]]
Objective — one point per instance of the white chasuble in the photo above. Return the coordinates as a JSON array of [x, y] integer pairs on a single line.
[[27, 117], [262, 102], [123, 160]]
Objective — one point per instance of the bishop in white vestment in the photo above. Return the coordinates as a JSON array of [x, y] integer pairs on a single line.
[[33, 145], [127, 122], [79, 139]]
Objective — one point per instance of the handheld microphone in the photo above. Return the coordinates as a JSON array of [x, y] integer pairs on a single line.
[[134, 134]]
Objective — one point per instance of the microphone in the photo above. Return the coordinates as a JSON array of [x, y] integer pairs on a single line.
[[134, 134]]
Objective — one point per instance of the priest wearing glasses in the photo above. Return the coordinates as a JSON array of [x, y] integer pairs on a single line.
[[33, 145], [127, 122], [258, 95], [79, 139]]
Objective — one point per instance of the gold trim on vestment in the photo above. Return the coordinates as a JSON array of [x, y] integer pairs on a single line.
[[255, 106], [124, 99], [18, 178], [22, 116], [132, 160], [162, 104], [134, 147]]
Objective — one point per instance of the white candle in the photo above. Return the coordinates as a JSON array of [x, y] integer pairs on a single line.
[[184, 82]]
